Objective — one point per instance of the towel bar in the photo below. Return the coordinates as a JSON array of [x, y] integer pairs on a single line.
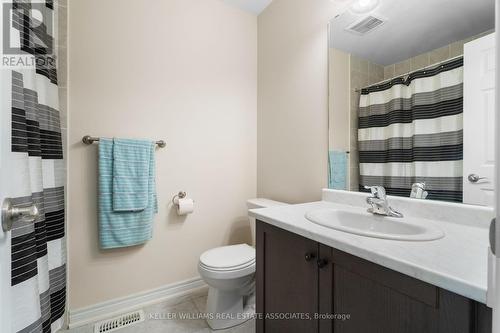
[[88, 140]]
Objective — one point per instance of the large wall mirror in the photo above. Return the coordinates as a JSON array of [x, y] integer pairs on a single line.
[[412, 99]]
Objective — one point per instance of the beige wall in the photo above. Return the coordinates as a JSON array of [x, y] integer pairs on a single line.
[[180, 70], [293, 99], [340, 97]]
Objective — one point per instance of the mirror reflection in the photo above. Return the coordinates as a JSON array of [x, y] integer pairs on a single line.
[[412, 99]]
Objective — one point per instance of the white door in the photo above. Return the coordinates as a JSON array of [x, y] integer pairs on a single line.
[[493, 295], [5, 262], [479, 121], [5, 269]]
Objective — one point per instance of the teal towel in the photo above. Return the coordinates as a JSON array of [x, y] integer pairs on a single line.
[[123, 228], [338, 170], [132, 174]]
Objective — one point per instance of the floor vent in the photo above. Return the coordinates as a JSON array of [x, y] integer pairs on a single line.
[[365, 25], [111, 325]]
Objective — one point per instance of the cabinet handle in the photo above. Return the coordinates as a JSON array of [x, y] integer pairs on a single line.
[[310, 256], [322, 263]]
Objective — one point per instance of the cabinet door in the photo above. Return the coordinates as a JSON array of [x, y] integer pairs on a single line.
[[380, 300], [326, 309], [287, 281]]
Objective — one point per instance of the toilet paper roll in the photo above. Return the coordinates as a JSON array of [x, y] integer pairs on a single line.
[[185, 206]]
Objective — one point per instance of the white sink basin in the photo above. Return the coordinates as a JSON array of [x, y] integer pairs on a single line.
[[370, 225]]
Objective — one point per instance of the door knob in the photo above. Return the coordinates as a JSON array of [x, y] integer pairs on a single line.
[[11, 214], [473, 178], [322, 263], [310, 256]]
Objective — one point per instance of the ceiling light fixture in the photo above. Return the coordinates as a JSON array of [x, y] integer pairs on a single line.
[[363, 6]]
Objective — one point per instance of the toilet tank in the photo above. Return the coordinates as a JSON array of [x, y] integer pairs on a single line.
[[260, 203]]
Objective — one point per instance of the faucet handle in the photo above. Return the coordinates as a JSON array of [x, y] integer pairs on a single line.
[[377, 191]]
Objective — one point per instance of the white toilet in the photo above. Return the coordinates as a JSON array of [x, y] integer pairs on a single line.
[[229, 272]]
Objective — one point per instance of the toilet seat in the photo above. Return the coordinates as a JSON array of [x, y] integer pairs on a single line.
[[235, 268], [228, 262], [228, 257]]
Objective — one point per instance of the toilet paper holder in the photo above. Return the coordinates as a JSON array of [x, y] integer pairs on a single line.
[[183, 208], [180, 195]]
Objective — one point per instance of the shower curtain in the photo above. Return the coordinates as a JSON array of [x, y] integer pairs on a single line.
[[411, 130], [33, 168]]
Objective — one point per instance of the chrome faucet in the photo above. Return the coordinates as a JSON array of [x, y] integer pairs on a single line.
[[379, 203], [418, 191]]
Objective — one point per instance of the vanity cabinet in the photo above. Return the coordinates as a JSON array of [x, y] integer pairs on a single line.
[[302, 285]]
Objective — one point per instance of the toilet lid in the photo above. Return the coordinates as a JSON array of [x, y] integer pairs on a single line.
[[228, 257]]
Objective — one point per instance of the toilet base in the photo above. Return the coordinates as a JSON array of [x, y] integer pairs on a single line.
[[227, 309]]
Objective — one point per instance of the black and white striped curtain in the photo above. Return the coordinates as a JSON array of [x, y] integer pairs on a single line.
[[411, 130], [33, 172]]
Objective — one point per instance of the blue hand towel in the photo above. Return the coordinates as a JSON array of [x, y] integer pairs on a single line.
[[123, 228], [338, 170]]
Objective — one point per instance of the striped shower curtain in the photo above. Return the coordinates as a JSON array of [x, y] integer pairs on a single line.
[[410, 130], [33, 172]]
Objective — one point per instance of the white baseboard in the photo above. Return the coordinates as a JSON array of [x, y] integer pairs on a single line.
[[172, 293]]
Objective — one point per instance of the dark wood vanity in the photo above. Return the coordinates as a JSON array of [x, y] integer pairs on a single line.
[[298, 278]]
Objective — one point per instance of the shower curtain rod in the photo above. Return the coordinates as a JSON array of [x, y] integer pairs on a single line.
[[410, 72], [88, 140]]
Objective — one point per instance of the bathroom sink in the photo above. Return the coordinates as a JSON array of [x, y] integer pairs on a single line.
[[376, 226]]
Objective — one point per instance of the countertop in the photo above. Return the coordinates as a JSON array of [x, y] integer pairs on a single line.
[[457, 262]]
